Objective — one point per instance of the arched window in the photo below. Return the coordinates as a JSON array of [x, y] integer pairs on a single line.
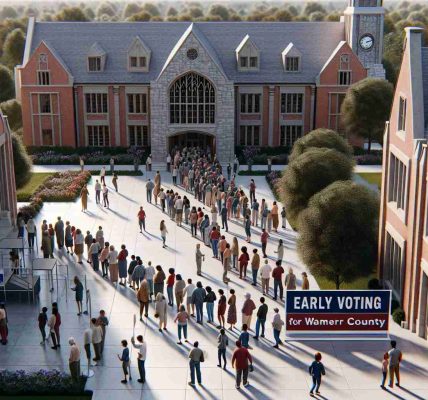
[[192, 100]]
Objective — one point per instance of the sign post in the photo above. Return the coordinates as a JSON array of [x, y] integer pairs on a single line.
[[339, 314]]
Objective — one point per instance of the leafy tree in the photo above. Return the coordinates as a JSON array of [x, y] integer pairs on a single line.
[[12, 109], [293, 11], [219, 11], [308, 174], [316, 16], [21, 161], [196, 12], [8, 12], [90, 14], [312, 7], [172, 12], [131, 9], [334, 17], [338, 232], [71, 14], [106, 9], [366, 107], [151, 9], [141, 16], [7, 88], [283, 15], [13, 49], [321, 137]]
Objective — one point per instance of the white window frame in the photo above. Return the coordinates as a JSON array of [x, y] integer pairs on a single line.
[[402, 114], [40, 103], [294, 131], [131, 99], [344, 77], [43, 77], [289, 62], [335, 116], [248, 103], [96, 104], [291, 99], [251, 132], [98, 128], [99, 66], [132, 130], [395, 246]]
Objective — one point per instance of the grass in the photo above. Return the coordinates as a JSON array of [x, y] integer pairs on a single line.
[[37, 178], [357, 284], [375, 178]]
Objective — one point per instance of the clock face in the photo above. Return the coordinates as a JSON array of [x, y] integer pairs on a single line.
[[366, 41]]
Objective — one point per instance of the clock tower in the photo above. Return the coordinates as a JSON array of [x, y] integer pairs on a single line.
[[364, 32]]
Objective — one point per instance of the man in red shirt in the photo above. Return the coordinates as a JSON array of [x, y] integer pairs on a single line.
[[277, 280], [215, 236], [241, 360], [264, 238], [142, 219]]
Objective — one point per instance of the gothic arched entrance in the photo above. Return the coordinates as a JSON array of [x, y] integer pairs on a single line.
[[192, 139]]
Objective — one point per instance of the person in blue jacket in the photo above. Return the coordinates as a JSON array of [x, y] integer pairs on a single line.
[[316, 370]]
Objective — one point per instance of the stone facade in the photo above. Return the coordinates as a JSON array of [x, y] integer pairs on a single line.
[[223, 128]]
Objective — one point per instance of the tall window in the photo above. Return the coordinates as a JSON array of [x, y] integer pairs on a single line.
[[96, 103], [138, 62], [249, 135], [94, 64], [402, 114], [98, 135], [43, 78], [397, 182], [393, 263], [334, 111], [292, 64], [192, 100], [45, 103], [291, 103], [345, 78], [289, 134], [137, 103], [138, 135], [250, 103]]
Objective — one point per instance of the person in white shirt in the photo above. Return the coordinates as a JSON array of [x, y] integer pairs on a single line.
[[265, 272], [188, 291], [97, 337], [149, 274], [168, 162], [105, 196], [103, 175], [277, 325], [141, 346], [97, 192], [179, 210], [31, 232], [74, 360], [82, 164], [149, 163], [87, 340]]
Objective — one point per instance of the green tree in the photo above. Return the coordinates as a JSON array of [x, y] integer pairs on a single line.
[[152, 9], [21, 161], [106, 9], [141, 16], [217, 10], [12, 109], [338, 232], [321, 137], [308, 174], [8, 12], [13, 49], [366, 107], [196, 12], [71, 14], [172, 12], [313, 7], [283, 15], [131, 9], [316, 16], [7, 88]]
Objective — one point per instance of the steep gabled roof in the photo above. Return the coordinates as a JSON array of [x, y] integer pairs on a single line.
[[96, 50], [245, 41], [333, 54], [138, 41]]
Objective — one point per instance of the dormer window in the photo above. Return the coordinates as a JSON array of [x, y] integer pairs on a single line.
[[247, 55], [138, 56], [291, 58], [94, 64], [96, 58]]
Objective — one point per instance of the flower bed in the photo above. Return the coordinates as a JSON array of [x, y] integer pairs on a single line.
[[40, 383], [61, 186], [272, 179], [369, 159]]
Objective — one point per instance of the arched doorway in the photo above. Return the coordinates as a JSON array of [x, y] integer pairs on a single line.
[[192, 139]]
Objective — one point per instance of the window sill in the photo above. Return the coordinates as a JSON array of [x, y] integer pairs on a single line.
[[399, 212]]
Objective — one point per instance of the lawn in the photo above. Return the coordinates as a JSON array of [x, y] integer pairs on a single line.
[[375, 178], [357, 284], [37, 178]]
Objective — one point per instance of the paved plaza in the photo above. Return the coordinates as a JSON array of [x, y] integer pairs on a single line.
[[353, 367]]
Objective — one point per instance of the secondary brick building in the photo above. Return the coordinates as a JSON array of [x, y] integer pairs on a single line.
[[216, 84], [403, 238]]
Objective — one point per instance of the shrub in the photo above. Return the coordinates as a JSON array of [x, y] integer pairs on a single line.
[[394, 305], [21, 161], [374, 284], [12, 109], [398, 315]]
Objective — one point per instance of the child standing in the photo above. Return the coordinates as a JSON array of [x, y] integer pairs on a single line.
[[384, 369]]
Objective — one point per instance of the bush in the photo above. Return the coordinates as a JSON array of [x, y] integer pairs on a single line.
[[374, 284], [42, 382], [21, 161], [12, 109], [398, 315], [7, 87], [394, 305], [273, 179]]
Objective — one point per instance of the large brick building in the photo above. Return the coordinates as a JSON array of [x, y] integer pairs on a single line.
[[403, 239], [216, 84]]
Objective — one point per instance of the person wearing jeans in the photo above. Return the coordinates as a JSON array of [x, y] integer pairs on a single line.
[[316, 370], [141, 346], [196, 356], [182, 318], [277, 281], [198, 297], [210, 298], [261, 318], [215, 236], [255, 265], [223, 342], [277, 325]]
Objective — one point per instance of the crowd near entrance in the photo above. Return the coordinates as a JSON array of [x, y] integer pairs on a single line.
[[192, 139]]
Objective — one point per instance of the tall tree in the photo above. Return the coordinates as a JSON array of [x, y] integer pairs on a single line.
[[13, 49], [8, 12], [366, 107], [71, 14], [338, 232], [7, 88], [217, 10], [12, 109]]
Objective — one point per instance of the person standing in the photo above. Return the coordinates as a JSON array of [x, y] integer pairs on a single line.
[[247, 228], [395, 357], [149, 273], [87, 340], [244, 258], [196, 356], [223, 214], [261, 318], [198, 298], [97, 337], [168, 162], [227, 256], [46, 244], [305, 281], [143, 298], [275, 218], [235, 252], [252, 191], [290, 280], [88, 242], [78, 288], [384, 369], [161, 311], [280, 251], [125, 360], [31, 232], [244, 337], [112, 165], [103, 175], [93, 253], [255, 212], [97, 192], [214, 237], [102, 321], [149, 163], [277, 281], [264, 239], [163, 232], [158, 280], [170, 286], [277, 325], [82, 164], [4, 330], [106, 203], [74, 360], [84, 193], [221, 309], [180, 284], [142, 219], [247, 310], [122, 265], [188, 291], [316, 370], [199, 258], [255, 265], [210, 298], [241, 361], [112, 264], [222, 343], [51, 325], [231, 312], [265, 272], [57, 323], [284, 218], [114, 181], [104, 258], [43, 320], [181, 319], [141, 346], [149, 190]]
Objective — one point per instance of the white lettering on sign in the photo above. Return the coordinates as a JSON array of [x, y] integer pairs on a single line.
[[312, 303], [357, 303]]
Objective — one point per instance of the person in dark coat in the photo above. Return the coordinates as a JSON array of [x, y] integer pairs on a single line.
[[79, 294]]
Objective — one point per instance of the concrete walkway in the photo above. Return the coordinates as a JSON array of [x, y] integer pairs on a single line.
[[353, 368]]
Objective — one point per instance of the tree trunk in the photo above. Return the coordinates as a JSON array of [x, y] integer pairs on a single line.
[[337, 282]]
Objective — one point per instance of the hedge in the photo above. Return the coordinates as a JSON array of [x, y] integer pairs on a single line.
[[21, 161]]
